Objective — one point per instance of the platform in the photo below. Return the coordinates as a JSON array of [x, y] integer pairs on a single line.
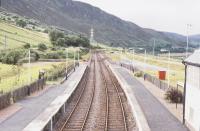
[[156, 114], [32, 107]]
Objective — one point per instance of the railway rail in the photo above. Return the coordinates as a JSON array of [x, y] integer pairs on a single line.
[[78, 116], [115, 114]]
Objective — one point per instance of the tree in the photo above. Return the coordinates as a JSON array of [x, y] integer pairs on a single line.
[[21, 23], [42, 47], [61, 41], [55, 35], [27, 46], [12, 57]]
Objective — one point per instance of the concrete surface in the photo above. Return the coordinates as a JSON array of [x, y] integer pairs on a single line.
[[138, 114], [33, 106], [158, 117]]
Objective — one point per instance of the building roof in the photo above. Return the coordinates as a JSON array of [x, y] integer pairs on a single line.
[[194, 59]]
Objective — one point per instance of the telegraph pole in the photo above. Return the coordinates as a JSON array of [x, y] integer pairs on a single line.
[[5, 41], [168, 68], [66, 62], [29, 64], [91, 35], [78, 56], [74, 59], [154, 47], [188, 25]]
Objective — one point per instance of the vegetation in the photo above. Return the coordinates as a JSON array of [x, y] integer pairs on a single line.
[[138, 74], [60, 39], [173, 95], [42, 47], [21, 23], [14, 76], [176, 73], [16, 37]]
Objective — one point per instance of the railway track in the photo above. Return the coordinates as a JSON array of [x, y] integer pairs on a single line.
[[116, 119], [99, 103], [78, 116]]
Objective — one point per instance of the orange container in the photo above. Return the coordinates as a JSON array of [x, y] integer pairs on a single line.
[[162, 75]]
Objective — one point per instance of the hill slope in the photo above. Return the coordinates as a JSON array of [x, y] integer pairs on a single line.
[[79, 17]]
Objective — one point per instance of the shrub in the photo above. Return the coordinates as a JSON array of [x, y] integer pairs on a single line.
[[52, 55], [56, 72], [138, 74], [173, 95], [42, 47], [12, 57], [27, 46], [21, 23]]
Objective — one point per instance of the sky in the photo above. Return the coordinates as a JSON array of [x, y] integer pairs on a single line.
[[161, 15]]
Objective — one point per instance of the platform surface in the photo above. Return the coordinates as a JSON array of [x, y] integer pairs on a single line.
[[158, 117], [32, 107]]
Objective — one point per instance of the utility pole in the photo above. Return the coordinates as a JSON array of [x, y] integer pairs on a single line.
[[29, 64], [154, 47], [188, 25], [5, 41], [78, 56], [91, 35], [168, 69], [66, 62], [74, 59], [145, 59]]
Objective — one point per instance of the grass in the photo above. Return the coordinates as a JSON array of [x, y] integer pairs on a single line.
[[13, 76], [176, 73], [17, 37], [19, 76]]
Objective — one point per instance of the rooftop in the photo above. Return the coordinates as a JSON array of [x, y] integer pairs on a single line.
[[194, 59]]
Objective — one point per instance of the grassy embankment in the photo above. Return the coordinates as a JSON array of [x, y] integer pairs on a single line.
[[17, 37], [13, 76], [176, 67]]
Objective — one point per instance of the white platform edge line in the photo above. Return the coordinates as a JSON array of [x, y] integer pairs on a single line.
[[36, 124], [139, 116]]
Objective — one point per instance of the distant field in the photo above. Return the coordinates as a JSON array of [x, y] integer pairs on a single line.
[[176, 67], [13, 76], [17, 37]]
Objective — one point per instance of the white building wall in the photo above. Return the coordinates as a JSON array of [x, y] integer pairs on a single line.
[[192, 114]]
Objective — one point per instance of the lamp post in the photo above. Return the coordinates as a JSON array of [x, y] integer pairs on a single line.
[[168, 69], [78, 56], [188, 26]]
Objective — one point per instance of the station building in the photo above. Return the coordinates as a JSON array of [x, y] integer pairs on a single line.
[[191, 108]]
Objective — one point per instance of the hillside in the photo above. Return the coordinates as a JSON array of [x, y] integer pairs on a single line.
[[13, 36], [78, 17]]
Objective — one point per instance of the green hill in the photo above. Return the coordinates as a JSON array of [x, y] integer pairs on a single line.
[[16, 37]]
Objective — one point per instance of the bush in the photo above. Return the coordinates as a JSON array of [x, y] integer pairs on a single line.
[[12, 57], [42, 47], [56, 72], [21, 23], [138, 74], [173, 95], [52, 55], [27, 46]]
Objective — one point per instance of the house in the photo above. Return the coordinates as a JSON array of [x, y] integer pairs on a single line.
[[191, 107]]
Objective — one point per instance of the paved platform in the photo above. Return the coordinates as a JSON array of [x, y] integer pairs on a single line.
[[33, 106], [158, 117]]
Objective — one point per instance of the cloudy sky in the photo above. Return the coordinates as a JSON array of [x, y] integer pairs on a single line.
[[163, 15]]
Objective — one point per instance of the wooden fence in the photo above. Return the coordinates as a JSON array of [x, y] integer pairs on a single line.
[[19, 93], [157, 82]]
